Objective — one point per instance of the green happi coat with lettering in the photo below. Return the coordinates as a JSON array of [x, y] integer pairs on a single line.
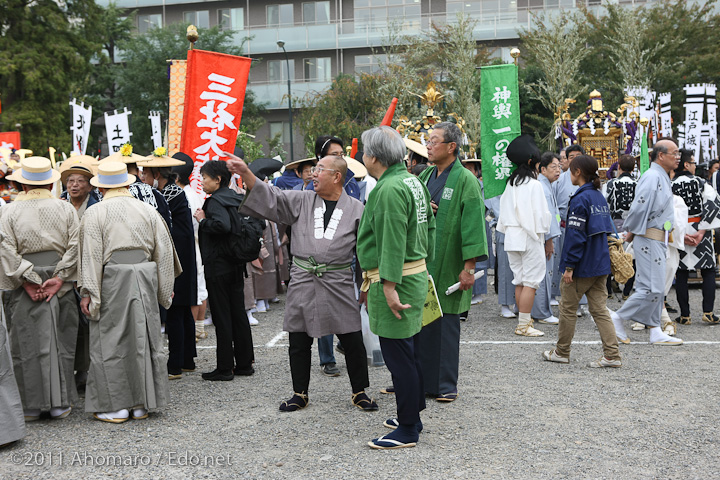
[[460, 234], [397, 227]]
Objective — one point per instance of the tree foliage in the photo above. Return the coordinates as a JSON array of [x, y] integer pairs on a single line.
[[44, 50]]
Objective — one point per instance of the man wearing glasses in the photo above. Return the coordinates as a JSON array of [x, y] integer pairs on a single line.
[[649, 225], [321, 290], [702, 202], [460, 239]]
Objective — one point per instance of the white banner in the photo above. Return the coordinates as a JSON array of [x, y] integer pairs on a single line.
[[117, 127], [156, 123], [665, 127], [710, 92], [694, 106], [80, 128]]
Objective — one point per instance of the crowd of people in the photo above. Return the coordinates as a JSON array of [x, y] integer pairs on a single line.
[[91, 276]]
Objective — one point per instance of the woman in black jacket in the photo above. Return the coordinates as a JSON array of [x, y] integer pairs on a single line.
[[224, 279]]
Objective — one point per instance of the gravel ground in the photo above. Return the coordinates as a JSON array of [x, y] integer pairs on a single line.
[[517, 417]]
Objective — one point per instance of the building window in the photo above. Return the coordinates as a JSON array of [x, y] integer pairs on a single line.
[[277, 71], [200, 19], [369, 63], [281, 128], [148, 22], [280, 15], [378, 14], [470, 7], [231, 19], [317, 69], [316, 13]]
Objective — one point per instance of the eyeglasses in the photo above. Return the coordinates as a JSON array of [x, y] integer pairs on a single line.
[[319, 170], [432, 143], [674, 154]]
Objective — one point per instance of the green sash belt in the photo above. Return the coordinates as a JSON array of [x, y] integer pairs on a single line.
[[311, 266]]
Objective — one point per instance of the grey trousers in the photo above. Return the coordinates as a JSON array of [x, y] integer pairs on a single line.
[[541, 306], [645, 305]]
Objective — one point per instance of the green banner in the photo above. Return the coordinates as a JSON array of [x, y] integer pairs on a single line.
[[499, 124], [644, 155]]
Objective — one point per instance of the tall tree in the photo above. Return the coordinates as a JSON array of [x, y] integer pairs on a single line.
[[555, 45], [142, 84], [45, 50]]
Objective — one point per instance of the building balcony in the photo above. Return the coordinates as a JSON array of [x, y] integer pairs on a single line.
[[274, 95]]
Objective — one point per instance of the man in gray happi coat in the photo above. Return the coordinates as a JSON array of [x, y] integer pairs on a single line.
[[321, 295], [649, 226]]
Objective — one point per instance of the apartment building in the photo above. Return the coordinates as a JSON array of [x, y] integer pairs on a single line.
[[325, 38]]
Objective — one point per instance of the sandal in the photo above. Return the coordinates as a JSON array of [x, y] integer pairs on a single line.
[[383, 443], [363, 402], [387, 390], [447, 397], [683, 320], [297, 402]]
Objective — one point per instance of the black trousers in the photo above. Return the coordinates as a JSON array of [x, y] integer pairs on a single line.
[[402, 358], [708, 290], [227, 304], [440, 354], [355, 359], [180, 329]]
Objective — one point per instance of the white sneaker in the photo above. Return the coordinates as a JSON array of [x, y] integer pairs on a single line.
[[554, 303], [261, 307], [551, 320], [619, 328], [275, 300], [476, 300], [552, 356], [60, 412], [252, 320], [506, 312], [207, 321], [658, 337]]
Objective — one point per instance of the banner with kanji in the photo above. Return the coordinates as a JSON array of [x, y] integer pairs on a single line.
[[499, 124], [80, 127], [156, 129], [214, 97], [117, 128]]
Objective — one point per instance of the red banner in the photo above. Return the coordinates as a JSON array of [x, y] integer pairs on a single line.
[[10, 140], [214, 97]]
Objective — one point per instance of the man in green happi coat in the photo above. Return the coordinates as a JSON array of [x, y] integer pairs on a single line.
[[395, 237], [459, 214]]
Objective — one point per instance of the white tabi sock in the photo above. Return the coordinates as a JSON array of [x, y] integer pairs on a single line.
[[619, 328]]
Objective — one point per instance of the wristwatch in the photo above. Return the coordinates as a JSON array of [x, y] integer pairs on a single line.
[[471, 272]]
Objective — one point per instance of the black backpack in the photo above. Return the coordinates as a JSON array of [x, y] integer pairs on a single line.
[[244, 242]]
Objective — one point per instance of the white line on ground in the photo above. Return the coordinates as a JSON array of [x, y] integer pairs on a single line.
[[273, 343], [276, 339]]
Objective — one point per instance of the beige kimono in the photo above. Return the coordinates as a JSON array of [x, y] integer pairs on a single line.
[[39, 241], [127, 266]]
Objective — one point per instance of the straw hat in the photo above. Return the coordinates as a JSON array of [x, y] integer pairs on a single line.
[[78, 164], [35, 171], [124, 155], [296, 163], [357, 168], [416, 147], [151, 161], [471, 160], [112, 175]]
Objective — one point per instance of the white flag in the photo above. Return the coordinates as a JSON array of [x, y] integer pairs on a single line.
[[694, 106], [117, 127], [665, 115], [155, 124], [710, 92], [80, 127]]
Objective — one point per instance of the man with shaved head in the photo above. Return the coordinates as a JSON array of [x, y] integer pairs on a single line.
[[321, 293], [649, 225]]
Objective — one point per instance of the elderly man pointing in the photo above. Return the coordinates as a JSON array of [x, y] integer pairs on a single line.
[[321, 290]]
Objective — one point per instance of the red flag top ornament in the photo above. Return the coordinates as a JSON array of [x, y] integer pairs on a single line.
[[387, 120], [214, 97]]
